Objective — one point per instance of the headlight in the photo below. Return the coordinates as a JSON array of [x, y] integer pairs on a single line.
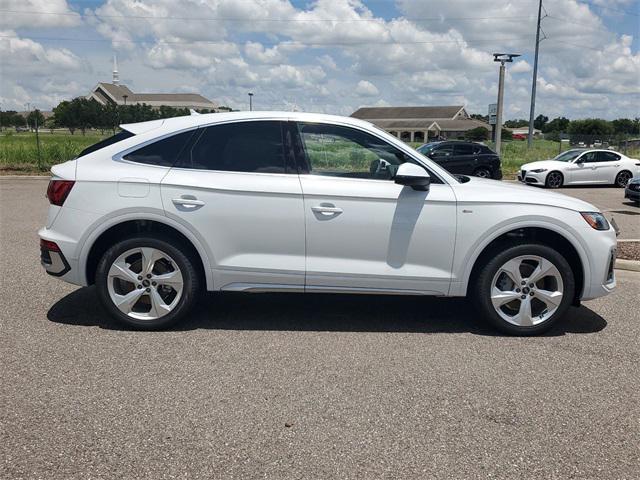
[[539, 170], [596, 220]]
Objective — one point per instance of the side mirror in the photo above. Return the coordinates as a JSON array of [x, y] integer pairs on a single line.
[[413, 176]]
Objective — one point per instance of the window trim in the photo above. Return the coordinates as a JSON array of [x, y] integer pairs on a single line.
[[119, 157], [303, 163]]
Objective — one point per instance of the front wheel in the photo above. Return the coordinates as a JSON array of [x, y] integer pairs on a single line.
[[524, 289], [147, 283], [554, 180], [482, 172]]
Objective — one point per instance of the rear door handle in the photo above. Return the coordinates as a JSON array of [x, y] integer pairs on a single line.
[[187, 202], [327, 210]]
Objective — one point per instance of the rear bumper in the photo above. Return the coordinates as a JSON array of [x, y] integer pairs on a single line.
[[52, 259], [59, 261]]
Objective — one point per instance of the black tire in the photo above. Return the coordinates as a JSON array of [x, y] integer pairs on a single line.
[[552, 180], [481, 287], [482, 172], [623, 178], [192, 283]]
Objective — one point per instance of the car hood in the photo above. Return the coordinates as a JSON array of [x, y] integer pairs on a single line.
[[482, 190], [548, 164]]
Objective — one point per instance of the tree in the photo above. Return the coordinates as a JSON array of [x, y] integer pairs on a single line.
[[507, 134], [11, 118], [626, 125], [35, 118], [475, 116], [590, 126], [518, 123], [540, 121], [477, 134], [559, 124]]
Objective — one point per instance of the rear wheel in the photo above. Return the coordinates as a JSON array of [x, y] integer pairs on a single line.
[[524, 289], [623, 178], [482, 172], [147, 283], [554, 180]]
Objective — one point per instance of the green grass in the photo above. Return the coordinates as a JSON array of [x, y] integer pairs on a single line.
[[19, 152]]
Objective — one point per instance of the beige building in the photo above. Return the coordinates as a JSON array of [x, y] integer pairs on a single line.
[[421, 124]]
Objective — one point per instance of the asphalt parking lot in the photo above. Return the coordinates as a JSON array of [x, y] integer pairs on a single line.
[[297, 386]]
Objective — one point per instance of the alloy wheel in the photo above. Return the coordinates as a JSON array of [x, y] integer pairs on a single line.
[[483, 173], [623, 178], [527, 290], [554, 180], [145, 283]]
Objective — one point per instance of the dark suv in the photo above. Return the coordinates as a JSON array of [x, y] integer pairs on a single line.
[[467, 158]]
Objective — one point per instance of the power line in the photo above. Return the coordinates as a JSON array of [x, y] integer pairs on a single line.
[[252, 20]]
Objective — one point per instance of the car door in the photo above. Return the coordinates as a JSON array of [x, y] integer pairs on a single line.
[[443, 155], [582, 170], [234, 188], [363, 231], [465, 158], [607, 166]]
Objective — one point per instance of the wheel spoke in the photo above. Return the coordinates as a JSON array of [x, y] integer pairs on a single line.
[[550, 299], [542, 270], [524, 316], [500, 297], [158, 307], [126, 302], [512, 268], [172, 279], [149, 258], [122, 271]]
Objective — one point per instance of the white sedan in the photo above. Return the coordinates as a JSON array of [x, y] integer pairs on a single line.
[[581, 167], [293, 202]]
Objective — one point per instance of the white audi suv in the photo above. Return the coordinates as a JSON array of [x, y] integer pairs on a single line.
[[294, 202]]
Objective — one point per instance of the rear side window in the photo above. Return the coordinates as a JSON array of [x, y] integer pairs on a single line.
[[238, 147], [118, 137], [164, 152], [608, 157]]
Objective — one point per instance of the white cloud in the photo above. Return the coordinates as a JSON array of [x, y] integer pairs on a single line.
[[37, 14], [366, 89], [521, 66]]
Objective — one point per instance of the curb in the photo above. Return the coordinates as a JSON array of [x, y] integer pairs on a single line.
[[39, 177], [629, 265]]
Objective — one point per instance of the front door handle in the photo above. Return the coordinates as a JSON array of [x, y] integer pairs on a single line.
[[187, 202], [327, 209]]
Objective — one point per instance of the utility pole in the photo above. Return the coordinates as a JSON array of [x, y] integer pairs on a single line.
[[502, 58], [535, 79], [250, 101], [35, 117]]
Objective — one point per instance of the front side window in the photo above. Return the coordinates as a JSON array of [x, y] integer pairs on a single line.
[[589, 157], [164, 152], [238, 147], [464, 149], [337, 151]]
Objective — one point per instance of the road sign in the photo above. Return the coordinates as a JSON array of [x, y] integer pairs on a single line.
[[493, 112]]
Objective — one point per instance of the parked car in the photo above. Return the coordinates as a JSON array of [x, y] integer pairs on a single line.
[[632, 192], [466, 158], [581, 167], [519, 136], [293, 202]]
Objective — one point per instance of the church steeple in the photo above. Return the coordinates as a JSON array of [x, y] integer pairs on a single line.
[[116, 75]]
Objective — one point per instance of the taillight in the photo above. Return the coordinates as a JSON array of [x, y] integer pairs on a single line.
[[49, 246], [58, 191]]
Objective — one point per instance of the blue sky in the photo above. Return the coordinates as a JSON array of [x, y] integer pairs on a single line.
[[327, 55]]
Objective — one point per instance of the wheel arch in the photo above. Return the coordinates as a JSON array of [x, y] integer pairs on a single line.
[[127, 226], [545, 234], [559, 172], [623, 169]]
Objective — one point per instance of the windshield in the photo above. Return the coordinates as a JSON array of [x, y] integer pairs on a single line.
[[568, 155]]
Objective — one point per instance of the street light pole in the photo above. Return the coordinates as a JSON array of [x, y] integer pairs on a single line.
[[535, 79], [250, 101], [502, 58]]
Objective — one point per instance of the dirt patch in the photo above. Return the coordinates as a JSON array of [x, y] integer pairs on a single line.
[[629, 250]]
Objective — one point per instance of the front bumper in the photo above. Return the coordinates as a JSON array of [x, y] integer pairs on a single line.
[[532, 178], [632, 194]]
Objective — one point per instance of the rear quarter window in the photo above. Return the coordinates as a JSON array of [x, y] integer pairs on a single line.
[[118, 137], [164, 152]]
